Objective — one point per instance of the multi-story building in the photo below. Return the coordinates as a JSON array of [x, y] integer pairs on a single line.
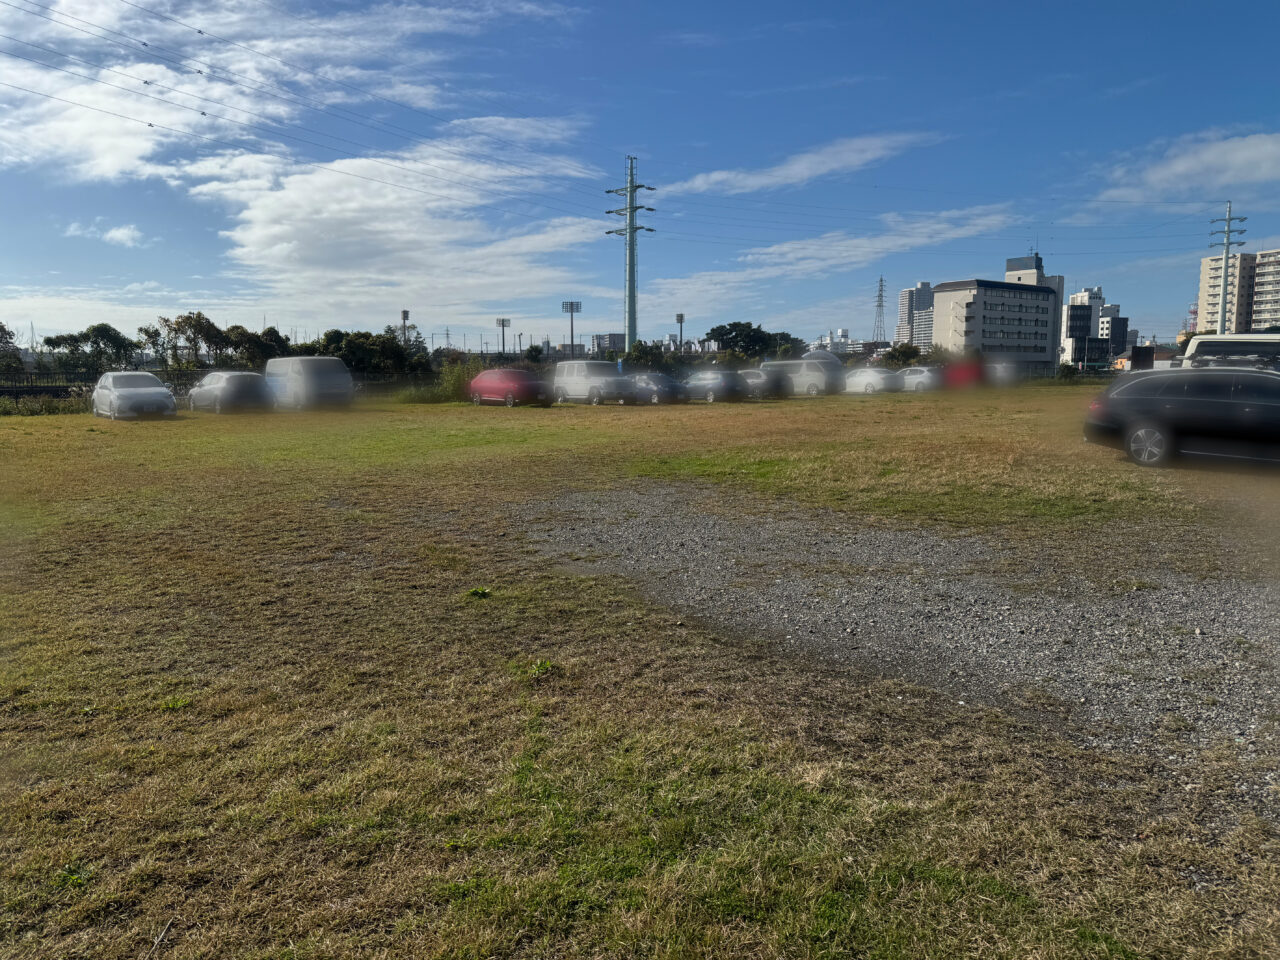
[[1240, 280], [1114, 329], [1005, 322], [912, 302], [602, 343], [922, 327], [1266, 290], [837, 342]]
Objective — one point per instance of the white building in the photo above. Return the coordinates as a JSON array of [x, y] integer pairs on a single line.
[[1240, 295], [837, 342], [1266, 290], [915, 306]]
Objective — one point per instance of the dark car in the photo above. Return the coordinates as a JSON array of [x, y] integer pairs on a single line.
[[1214, 412], [658, 388], [716, 385], [511, 387], [235, 390], [767, 384]]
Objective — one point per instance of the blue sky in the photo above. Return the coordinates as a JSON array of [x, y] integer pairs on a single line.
[[322, 165]]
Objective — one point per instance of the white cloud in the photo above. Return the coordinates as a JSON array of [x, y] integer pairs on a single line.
[[1208, 164], [126, 235], [841, 156], [712, 293]]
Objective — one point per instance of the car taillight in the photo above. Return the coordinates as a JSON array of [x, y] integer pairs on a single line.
[[1097, 406]]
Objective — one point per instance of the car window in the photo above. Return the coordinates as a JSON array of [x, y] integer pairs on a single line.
[[134, 381], [1208, 387], [1257, 388]]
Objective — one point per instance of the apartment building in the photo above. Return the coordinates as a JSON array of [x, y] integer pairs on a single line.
[[912, 304], [1266, 290], [1004, 322], [1240, 282], [602, 343]]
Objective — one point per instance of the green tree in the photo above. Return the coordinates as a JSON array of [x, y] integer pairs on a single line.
[[645, 355], [533, 353], [902, 355], [785, 345], [10, 358], [743, 338]]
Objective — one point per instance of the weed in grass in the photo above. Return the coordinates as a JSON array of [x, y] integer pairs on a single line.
[[73, 876], [479, 593], [176, 703]]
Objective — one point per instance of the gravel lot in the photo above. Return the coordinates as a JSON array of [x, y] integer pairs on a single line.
[[1159, 661]]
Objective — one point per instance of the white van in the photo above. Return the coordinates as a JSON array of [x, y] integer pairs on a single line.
[[1249, 348], [300, 382]]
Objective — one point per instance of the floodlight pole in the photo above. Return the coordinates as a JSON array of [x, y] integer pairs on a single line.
[[571, 307], [1227, 244], [503, 323]]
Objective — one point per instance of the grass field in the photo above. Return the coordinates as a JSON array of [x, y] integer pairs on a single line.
[[292, 687]]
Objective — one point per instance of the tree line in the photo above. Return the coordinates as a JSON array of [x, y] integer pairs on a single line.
[[191, 341]]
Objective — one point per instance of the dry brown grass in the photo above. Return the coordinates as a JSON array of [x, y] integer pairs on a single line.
[[246, 690]]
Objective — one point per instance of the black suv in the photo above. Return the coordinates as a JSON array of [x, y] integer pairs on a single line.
[[1213, 411]]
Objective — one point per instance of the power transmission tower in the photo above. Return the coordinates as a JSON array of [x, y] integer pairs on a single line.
[[877, 335], [629, 234], [1227, 244]]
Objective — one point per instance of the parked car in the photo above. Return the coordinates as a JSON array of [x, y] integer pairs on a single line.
[[658, 388], [595, 381], [767, 384], [872, 380], [133, 394], [810, 377], [717, 385], [302, 382], [915, 379], [512, 387], [235, 390], [1216, 412]]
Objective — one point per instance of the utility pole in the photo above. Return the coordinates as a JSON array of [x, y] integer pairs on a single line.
[[629, 234], [404, 328], [680, 342], [503, 323], [1227, 244], [877, 335], [520, 343]]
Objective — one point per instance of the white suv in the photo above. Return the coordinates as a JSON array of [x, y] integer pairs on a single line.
[[595, 381]]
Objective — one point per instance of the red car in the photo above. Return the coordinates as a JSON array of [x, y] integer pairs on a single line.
[[510, 387]]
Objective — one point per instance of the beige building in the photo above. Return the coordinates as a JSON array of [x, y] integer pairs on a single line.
[[1266, 290], [1004, 322], [1240, 280]]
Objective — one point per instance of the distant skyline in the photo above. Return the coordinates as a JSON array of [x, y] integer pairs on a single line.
[[330, 164]]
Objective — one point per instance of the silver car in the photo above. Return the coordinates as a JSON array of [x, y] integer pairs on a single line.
[[132, 395], [223, 392], [595, 381], [872, 380]]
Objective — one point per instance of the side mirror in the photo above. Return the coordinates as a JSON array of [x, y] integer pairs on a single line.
[[169, 387]]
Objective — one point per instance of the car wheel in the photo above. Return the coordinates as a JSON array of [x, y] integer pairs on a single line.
[[475, 398], [711, 396], [510, 400], [1149, 444], [869, 388], [217, 405], [813, 389], [920, 387], [560, 396], [655, 399], [593, 398]]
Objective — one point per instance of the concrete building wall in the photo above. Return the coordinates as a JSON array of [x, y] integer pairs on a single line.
[[1240, 280], [1005, 322], [1266, 290]]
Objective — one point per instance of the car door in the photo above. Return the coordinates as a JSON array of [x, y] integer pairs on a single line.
[[100, 394], [1206, 419], [1257, 408]]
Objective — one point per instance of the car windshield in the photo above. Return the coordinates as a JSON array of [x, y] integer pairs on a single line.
[[328, 368], [135, 381]]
